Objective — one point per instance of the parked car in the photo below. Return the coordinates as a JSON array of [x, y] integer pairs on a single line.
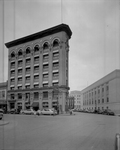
[[1, 114], [100, 111], [12, 111], [48, 112], [95, 111], [108, 112], [28, 112]]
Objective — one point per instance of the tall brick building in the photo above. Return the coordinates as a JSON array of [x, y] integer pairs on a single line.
[[38, 67]]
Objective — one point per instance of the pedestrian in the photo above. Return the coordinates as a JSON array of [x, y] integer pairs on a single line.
[[58, 111], [70, 112]]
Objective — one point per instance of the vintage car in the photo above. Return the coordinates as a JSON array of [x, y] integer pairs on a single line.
[[27, 112], [47, 111], [1, 114]]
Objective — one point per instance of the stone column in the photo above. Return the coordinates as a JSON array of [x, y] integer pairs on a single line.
[[50, 65], [32, 70], [23, 101], [40, 100], [23, 73], [8, 104], [50, 99], [41, 67], [31, 98], [16, 97], [60, 101], [63, 101], [9, 65], [16, 71]]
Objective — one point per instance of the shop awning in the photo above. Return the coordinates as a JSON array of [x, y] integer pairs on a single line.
[[35, 104]]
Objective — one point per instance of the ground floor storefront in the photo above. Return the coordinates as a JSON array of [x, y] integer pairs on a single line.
[[3, 105], [37, 99]]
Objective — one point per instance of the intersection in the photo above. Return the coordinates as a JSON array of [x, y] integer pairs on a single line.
[[81, 131]]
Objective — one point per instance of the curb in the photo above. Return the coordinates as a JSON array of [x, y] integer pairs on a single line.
[[3, 122], [117, 115]]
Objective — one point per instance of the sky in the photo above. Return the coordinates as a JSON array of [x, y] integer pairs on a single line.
[[94, 44]]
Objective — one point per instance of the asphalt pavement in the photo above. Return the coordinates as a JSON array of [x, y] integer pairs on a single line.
[[81, 131]]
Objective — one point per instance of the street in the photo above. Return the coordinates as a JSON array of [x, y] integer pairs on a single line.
[[81, 131]]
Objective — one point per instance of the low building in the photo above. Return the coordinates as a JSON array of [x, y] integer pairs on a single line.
[[77, 99], [103, 94], [3, 95]]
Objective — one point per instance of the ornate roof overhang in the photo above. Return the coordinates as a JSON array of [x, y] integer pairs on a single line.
[[47, 32]]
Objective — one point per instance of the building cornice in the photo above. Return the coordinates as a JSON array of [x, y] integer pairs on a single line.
[[47, 32]]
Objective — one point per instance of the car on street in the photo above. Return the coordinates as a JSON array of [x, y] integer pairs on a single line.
[[100, 111], [108, 112], [1, 114], [38, 112], [28, 112], [47, 111], [12, 111]]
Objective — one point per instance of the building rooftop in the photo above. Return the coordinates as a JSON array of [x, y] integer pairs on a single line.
[[55, 29], [3, 84], [112, 75]]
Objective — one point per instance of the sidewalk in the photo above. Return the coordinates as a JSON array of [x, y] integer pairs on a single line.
[[117, 115], [2, 122]]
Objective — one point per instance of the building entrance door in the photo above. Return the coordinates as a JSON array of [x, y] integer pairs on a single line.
[[12, 105]]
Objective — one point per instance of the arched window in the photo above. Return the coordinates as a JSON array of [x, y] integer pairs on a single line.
[[12, 54], [28, 50], [45, 45], [36, 48], [55, 43], [20, 52]]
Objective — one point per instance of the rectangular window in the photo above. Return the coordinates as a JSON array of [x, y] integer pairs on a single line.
[[55, 94], [45, 75], [45, 94], [36, 86], [27, 86], [45, 84], [28, 61], [95, 92], [20, 79], [12, 64], [36, 59], [107, 89], [12, 72], [56, 74], [36, 95], [55, 54], [19, 96], [98, 101], [55, 84], [12, 96], [102, 100], [102, 90], [36, 68], [45, 66], [20, 63], [107, 99], [12, 88], [27, 78], [19, 71], [56, 64], [36, 77], [19, 87]]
